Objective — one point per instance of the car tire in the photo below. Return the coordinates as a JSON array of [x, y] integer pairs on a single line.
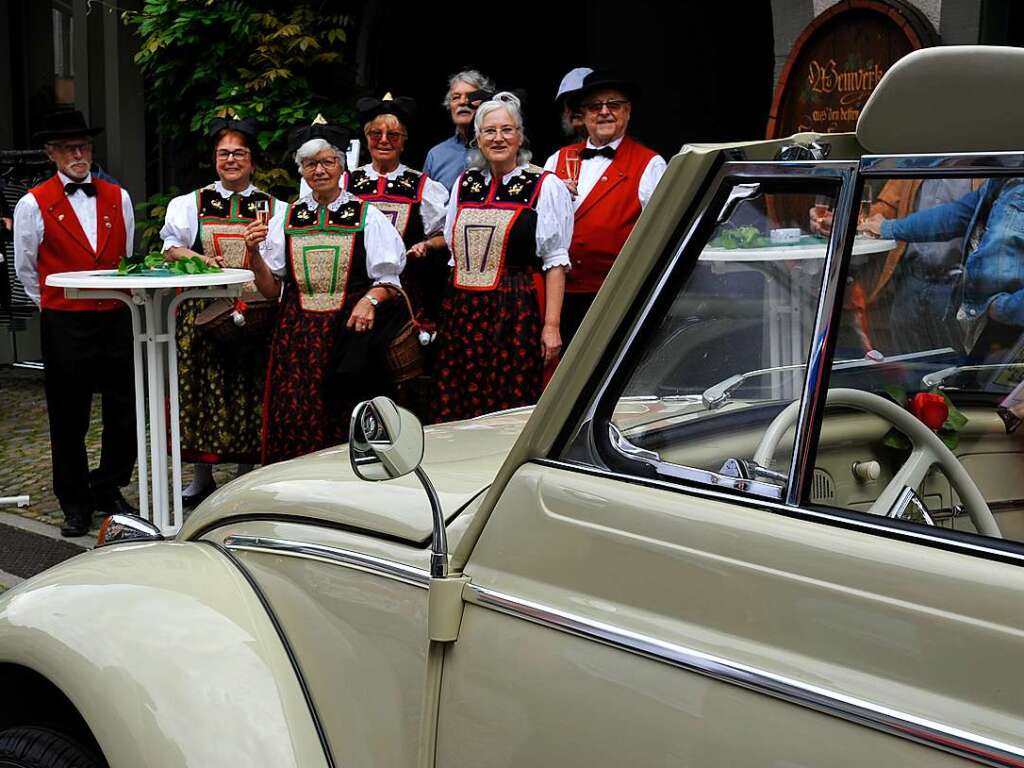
[[31, 747]]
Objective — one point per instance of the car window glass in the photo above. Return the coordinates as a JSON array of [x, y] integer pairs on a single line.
[[932, 318], [729, 350]]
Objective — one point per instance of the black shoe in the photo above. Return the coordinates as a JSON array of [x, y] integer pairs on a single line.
[[113, 503], [76, 523], [192, 500]]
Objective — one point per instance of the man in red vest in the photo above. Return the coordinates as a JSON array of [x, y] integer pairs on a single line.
[[611, 177], [74, 222]]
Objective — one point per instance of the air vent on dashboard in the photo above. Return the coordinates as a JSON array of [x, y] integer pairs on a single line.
[[823, 487]]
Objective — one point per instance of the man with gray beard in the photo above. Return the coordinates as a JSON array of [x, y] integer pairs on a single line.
[[466, 91]]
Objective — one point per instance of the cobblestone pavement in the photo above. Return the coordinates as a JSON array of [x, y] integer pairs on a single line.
[[25, 448]]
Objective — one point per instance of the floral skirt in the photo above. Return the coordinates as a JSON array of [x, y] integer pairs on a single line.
[[489, 356], [220, 394]]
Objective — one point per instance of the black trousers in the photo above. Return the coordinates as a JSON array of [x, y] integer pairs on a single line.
[[574, 308], [83, 353]]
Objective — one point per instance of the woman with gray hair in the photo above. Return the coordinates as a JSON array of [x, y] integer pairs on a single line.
[[466, 91], [508, 223], [340, 259]]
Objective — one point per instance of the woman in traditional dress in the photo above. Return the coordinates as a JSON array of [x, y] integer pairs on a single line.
[[220, 389], [506, 221], [415, 203], [340, 259]]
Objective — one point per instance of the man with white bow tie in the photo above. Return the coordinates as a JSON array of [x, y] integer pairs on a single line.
[[72, 222], [612, 177]]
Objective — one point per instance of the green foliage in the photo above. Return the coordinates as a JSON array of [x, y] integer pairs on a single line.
[[149, 219], [247, 58]]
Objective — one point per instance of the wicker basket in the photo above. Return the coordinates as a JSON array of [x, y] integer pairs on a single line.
[[404, 353], [216, 322]]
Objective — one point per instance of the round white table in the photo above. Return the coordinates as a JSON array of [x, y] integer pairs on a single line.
[[785, 323], [153, 302]]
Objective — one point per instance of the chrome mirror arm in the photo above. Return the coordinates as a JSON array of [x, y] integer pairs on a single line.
[[439, 536]]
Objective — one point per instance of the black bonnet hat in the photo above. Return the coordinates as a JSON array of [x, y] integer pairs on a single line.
[[63, 124], [320, 129], [247, 126], [401, 107]]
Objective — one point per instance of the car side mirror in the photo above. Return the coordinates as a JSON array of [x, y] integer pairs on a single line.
[[385, 441]]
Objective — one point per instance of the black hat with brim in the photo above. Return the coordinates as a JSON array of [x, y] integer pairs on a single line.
[[601, 80], [332, 134], [402, 107], [64, 124]]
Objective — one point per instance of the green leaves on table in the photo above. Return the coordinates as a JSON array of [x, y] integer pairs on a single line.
[[155, 262]]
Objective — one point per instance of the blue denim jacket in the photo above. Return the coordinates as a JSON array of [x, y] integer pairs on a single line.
[[994, 271]]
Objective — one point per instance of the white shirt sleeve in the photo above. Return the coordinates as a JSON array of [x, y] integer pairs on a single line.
[[552, 163], [433, 207], [449, 219], [554, 223], [385, 251], [272, 249], [128, 214], [28, 234], [181, 222], [649, 179]]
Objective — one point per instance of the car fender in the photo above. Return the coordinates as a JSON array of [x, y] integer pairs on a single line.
[[169, 655]]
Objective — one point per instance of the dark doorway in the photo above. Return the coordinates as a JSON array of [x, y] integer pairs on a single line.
[[706, 69]]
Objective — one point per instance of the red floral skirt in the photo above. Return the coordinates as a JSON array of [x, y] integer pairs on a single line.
[[298, 418], [489, 356]]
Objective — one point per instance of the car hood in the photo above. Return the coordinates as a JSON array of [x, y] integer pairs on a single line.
[[461, 459]]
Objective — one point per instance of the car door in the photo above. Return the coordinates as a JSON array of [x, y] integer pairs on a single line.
[[651, 594]]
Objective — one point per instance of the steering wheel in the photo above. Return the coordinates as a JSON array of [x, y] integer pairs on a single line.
[[927, 451]]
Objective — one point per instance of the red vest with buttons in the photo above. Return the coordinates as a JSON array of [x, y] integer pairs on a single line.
[[606, 216], [65, 246]]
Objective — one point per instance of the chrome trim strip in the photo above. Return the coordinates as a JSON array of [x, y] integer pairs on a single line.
[[918, 729], [957, 163], [923, 536], [346, 558], [813, 401]]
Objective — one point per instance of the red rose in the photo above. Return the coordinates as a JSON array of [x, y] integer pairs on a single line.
[[931, 408]]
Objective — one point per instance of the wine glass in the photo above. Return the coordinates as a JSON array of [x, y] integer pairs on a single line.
[[263, 212], [572, 165]]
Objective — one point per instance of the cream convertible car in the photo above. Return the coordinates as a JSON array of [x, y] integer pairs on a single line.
[[769, 512]]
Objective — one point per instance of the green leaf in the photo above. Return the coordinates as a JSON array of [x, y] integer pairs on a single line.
[[896, 439], [898, 395], [951, 439]]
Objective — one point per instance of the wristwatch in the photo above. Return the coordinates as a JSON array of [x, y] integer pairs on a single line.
[[374, 301]]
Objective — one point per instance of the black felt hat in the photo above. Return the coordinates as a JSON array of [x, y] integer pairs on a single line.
[[603, 79], [401, 107], [247, 126], [332, 134], [64, 124]]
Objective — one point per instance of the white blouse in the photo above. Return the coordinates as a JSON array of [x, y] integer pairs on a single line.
[[385, 251], [435, 198], [554, 219], [593, 168], [181, 222]]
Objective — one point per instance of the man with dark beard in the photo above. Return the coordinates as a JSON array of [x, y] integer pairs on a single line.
[[571, 117]]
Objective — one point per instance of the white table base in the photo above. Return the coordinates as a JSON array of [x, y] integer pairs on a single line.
[[154, 325]]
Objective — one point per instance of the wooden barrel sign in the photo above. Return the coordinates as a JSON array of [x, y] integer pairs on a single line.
[[838, 60]]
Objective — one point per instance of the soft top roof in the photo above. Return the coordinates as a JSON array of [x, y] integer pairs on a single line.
[[963, 98]]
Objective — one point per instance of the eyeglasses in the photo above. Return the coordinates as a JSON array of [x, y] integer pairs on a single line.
[[490, 134], [596, 107], [378, 136], [79, 147], [232, 154], [329, 164]]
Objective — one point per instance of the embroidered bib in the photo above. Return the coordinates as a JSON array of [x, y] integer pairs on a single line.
[[322, 246], [486, 218], [222, 223], [396, 198]]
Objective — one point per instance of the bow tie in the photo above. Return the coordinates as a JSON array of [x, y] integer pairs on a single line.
[[86, 186], [590, 152]]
